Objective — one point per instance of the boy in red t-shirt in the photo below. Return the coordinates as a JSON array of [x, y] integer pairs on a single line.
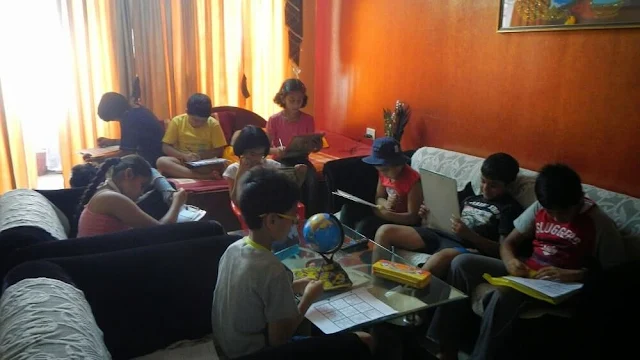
[[398, 194], [568, 233]]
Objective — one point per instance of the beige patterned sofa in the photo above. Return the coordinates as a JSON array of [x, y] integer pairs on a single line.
[[623, 209]]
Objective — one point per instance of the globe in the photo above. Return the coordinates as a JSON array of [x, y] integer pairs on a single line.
[[323, 232]]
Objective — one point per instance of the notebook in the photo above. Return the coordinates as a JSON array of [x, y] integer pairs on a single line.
[[190, 213], [302, 145], [441, 197], [206, 162], [550, 291]]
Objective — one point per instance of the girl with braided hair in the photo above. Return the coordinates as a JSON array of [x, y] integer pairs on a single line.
[[109, 202]]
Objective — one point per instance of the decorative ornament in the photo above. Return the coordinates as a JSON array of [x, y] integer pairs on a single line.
[[395, 121]]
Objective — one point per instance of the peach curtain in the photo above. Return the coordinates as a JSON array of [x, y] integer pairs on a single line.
[[184, 46], [90, 28]]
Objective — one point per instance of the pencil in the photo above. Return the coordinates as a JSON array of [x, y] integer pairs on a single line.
[[280, 141]]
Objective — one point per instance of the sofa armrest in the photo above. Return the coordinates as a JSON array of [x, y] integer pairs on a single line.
[[129, 239]]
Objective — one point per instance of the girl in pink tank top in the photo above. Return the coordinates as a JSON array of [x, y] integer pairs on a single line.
[[108, 205]]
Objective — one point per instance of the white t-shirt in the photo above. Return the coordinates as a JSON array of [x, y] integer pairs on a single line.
[[253, 290], [232, 170]]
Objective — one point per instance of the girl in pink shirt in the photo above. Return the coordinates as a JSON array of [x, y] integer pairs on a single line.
[[110, 206], [291, 122]]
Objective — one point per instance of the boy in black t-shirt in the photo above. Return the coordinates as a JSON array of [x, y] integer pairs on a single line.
[[485, 219], [141, 132]]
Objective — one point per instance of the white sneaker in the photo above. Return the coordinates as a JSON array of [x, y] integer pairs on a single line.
[[190, 213]]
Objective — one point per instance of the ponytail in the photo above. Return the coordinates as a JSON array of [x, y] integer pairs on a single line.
[[93, 185]]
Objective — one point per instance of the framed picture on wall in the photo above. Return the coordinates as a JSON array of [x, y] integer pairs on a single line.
[[548, 15]]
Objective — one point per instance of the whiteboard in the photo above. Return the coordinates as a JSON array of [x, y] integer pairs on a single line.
[[441, 198]]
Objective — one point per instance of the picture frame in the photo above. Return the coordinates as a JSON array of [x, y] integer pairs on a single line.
[[553, 15]]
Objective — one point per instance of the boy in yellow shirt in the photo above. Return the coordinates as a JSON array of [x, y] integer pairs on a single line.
[[190, 137]]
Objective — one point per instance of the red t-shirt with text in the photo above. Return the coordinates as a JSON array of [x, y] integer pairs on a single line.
[[401, 187]]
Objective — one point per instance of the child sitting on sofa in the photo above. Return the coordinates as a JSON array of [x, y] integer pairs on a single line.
[[252, 147], [569, 234], [398, 194], [484, 221], [111, 207], [254, 305], [192, 136]]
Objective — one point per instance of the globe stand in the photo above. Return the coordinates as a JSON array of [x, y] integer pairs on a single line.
[[331, 266]]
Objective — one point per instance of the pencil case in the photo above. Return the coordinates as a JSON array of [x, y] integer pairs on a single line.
[[401, 273]]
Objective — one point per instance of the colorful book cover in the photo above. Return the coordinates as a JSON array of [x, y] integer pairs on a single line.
[[332, 276]]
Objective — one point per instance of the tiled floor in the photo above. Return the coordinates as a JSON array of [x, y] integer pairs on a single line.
[[50, 181]]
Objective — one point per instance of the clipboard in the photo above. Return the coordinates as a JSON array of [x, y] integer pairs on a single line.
[[441, 197], [303, 145], [206, 162]]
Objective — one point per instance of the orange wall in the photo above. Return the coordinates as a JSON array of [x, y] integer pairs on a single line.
[[569, 96]]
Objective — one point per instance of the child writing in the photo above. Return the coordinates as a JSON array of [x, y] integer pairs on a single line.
[[484, 221], [291, 122], [569, 234], [252, 146], [254, 305], [192, 136], [111, 207], [398, 194]]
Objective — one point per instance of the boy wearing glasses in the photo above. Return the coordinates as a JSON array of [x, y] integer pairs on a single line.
[[254, 305]]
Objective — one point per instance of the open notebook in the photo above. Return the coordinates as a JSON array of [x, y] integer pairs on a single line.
[[190, 213], [550, 291]]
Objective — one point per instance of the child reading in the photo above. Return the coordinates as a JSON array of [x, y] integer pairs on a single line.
[[192, 136], [291, 122], [398, 193], [111, 207], [569, 233], [252, 146], [254, 305], [485, 219]]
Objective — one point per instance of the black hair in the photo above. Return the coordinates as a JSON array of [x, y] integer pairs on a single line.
[[136, 163], [265, 191], [199, 105], [112, 106], [500, 167], [81, 175], [251, 137], [291, 85], [558, 187]]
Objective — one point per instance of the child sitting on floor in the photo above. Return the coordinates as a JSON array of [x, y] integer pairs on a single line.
[[252, 147], [398, 194], [254, 305], [192, 136], [485, 219]]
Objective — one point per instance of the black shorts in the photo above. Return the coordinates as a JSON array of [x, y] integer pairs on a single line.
[[436, 240]]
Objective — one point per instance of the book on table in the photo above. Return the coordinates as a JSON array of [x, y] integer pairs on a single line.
[[552, 292]]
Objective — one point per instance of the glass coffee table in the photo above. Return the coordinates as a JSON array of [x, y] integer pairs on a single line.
[[357, 262]]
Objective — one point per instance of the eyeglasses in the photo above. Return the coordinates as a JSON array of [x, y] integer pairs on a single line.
[[294, 219]]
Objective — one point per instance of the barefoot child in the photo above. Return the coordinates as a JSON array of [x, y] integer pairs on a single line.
[[190, 137], [398, 194], [485, 219]]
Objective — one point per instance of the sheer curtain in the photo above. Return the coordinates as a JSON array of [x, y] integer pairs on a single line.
[[56, 66], [184, 46]]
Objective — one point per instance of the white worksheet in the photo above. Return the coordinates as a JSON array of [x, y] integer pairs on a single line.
[[347, 310], [550, 288]]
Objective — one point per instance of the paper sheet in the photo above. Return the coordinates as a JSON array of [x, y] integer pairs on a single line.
[[347, 310], [550, 288], [353, 198]]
